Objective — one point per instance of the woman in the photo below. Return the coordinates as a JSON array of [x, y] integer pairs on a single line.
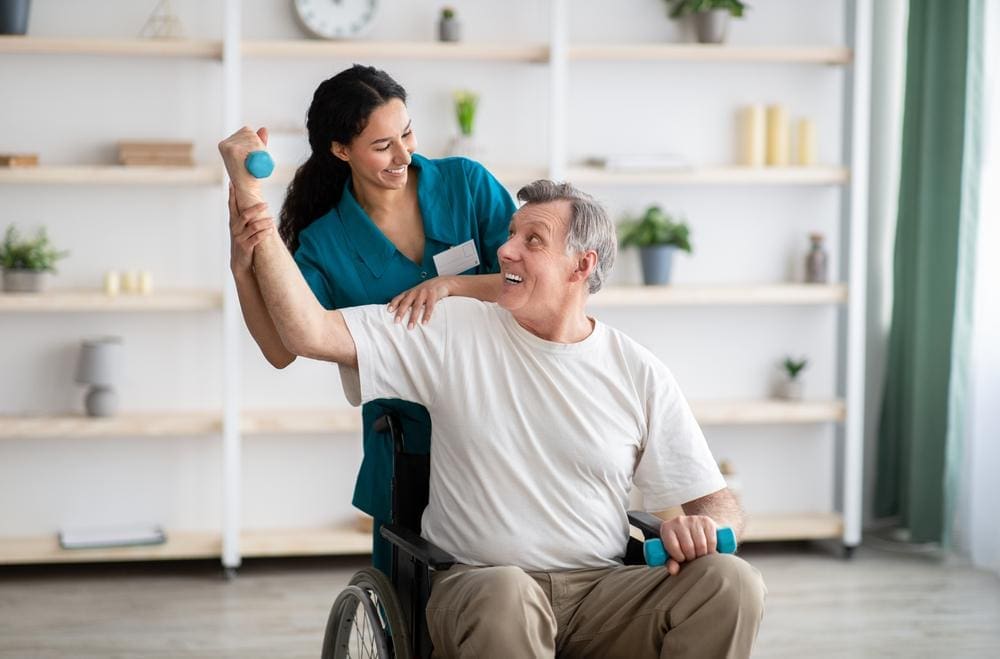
[[364, 218]]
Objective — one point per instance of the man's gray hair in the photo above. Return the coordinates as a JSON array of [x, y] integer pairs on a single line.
[[589, 224]]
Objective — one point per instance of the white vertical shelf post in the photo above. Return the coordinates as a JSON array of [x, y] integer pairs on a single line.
[[854, 255], [231, 438], [558, 86]]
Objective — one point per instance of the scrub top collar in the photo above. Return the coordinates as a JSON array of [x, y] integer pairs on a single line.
[[372, 246]]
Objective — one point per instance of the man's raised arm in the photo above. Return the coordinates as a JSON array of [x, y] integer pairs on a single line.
[[305, 327]]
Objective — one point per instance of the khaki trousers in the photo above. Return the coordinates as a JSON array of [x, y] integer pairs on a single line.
[[712, 608]]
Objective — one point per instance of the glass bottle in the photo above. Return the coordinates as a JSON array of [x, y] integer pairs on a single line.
[[816, 270]]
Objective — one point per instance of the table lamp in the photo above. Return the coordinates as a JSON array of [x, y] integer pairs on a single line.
[[100, 367]]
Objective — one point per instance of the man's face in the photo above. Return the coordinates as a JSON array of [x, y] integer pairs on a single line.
[[534, 263]]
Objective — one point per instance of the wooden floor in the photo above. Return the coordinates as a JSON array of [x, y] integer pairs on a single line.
[[879, 604]]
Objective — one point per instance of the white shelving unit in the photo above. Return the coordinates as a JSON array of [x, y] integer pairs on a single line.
[[233, 422]]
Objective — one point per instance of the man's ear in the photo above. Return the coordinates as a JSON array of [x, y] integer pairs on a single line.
[[340, 151], [586, 263]]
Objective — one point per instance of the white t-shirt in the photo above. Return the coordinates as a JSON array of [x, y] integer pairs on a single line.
[[535, 445]]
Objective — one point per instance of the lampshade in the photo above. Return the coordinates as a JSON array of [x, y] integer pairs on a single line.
[[100, 361]]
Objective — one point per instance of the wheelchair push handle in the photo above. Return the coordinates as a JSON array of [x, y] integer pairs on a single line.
[[656, 555], [260, 164]]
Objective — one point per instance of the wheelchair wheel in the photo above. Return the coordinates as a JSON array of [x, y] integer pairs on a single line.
[[366, 621]]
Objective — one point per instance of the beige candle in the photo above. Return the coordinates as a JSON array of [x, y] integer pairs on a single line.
[[777, 136], [145, 282], [806, 142], [130, 282], [112, 283], [752, 136]]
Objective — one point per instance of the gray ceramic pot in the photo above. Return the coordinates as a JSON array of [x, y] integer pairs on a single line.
[[711, 26], [24, 281], [656, 263], [449, 29], [14, 16]]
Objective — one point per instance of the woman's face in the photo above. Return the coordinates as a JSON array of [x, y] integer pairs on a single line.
[[381, 153]]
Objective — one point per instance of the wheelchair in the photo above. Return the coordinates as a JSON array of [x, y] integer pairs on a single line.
[[379, 617]]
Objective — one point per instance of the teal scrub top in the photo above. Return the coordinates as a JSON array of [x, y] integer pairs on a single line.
[[348, 261]]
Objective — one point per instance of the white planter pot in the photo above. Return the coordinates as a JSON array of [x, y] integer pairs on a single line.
[[791, 389], [465, 145], [24, 281]]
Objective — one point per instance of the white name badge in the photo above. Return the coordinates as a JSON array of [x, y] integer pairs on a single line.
[[457, 259]]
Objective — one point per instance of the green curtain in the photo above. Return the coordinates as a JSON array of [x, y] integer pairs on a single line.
[[913, 444]]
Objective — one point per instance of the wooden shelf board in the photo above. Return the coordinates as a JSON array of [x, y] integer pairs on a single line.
[[305, 542], [793, 526], [410, 50], [752, 412], [61, 301], [195, 48], [720, 175], [333, 541], [46, 549], [428, 50], [299, 422], [78, 426], [713, 53], [112, 175], [327, 422], [506, 174], [696, 295]]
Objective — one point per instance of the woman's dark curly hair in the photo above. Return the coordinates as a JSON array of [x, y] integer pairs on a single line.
[[339, 112]]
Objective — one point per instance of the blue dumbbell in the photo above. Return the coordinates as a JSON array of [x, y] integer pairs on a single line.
[[656, 555], [259, 164]]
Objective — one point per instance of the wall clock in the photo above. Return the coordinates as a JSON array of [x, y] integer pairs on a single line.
[[335, 19]]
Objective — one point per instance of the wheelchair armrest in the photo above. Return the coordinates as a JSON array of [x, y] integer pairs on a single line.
[[648, 523], [424, 551]]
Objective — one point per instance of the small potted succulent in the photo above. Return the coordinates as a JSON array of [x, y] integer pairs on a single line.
[[25, 262], [710, 17], [449, 29], [658, 236], [791, 385]]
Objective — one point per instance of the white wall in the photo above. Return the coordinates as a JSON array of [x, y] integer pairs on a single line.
[[72, 109]]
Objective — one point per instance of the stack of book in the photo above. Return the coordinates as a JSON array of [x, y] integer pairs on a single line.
[[156, 153], [112, 536], [18, 159]]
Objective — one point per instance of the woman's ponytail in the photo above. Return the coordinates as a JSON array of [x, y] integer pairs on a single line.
[[314, 190]]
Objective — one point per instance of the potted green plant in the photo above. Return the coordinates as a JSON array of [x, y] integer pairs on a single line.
[[658, 236], [26, 261], [710, 17], [791, 385], [449, 29], [466, 104]]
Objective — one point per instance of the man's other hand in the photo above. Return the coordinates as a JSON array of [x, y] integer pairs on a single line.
[[686, 538]]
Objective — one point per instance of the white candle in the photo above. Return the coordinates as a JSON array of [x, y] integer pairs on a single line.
[[777, 136], [112, 283], [752, 136]]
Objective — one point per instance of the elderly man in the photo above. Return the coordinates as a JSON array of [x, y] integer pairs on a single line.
[[543, 419]]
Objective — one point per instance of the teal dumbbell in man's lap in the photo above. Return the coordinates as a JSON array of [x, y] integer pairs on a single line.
[[656, 555]]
